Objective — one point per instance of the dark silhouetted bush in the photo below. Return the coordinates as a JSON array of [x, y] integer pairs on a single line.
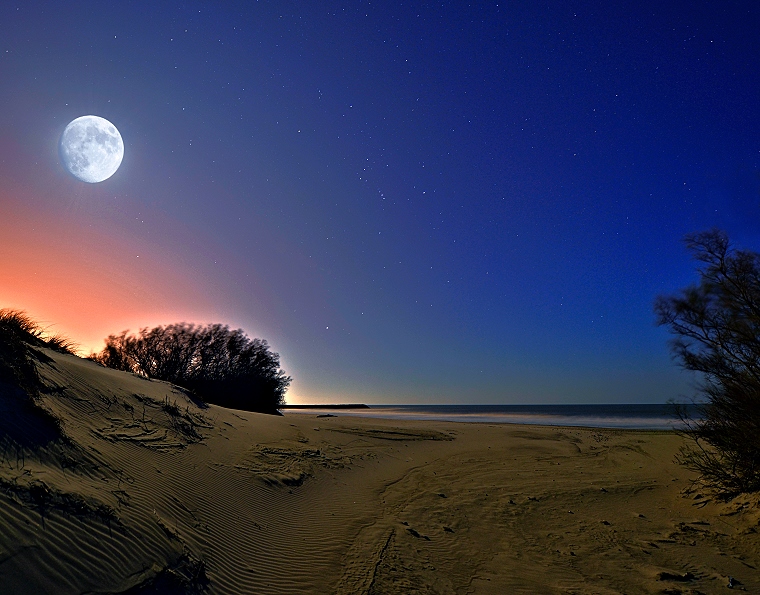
[[717, 327], [219, 365]]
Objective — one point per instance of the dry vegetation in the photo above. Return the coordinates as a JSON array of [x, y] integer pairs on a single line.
[[137, 488]]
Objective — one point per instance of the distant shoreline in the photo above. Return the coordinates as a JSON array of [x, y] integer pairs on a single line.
[[658, 416], [337, 406], [349, 502]]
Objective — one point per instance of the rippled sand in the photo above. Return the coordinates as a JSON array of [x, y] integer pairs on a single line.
[[151, 493]]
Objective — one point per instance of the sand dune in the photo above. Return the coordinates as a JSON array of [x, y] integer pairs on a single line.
[[147, 491]]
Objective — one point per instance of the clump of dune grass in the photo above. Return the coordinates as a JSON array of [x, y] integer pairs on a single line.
[[20, 340], [25, 420], [61, 344], [17, 368], [23, 327], [19, 322]]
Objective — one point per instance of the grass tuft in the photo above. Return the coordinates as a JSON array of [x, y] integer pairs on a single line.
[[19, 326], [61, 344]]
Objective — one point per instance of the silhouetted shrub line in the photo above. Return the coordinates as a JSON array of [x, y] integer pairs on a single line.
[[716, 324], [219, 365]]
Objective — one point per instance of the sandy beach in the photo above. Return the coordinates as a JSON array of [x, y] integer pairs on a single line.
[[149, 492]]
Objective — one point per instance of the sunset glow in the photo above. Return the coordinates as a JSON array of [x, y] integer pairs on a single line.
[[411, 204]]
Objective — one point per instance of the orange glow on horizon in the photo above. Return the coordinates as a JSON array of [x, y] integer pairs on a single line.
[[87, 283], [80, 272]]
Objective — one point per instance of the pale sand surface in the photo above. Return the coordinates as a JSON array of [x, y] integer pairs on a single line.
[[304, 504]]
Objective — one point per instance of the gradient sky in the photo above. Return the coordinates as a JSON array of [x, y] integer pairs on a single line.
[[412, 202]]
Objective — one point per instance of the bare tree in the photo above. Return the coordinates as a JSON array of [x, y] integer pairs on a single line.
[[716, 324], [220, 365]]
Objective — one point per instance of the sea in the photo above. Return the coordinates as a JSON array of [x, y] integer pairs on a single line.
[[635, 417]]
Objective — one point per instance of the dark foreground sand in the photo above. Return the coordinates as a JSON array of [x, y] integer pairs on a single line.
[[151, 493]]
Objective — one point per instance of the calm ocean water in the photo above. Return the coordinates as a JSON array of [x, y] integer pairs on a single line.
[[641, 417]]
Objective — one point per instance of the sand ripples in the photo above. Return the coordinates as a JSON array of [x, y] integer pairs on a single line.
[[148, 492]]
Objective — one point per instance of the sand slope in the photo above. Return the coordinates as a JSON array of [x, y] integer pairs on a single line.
[[150, 492]]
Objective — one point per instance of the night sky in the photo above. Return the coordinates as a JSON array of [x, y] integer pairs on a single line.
[[412, 202]]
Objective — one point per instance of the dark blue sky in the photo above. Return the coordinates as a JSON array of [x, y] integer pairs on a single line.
[[412, 202]]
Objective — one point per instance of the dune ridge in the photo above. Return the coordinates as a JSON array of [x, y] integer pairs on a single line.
[[141, 489]]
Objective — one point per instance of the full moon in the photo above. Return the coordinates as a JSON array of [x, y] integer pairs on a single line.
[[91, 149]]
